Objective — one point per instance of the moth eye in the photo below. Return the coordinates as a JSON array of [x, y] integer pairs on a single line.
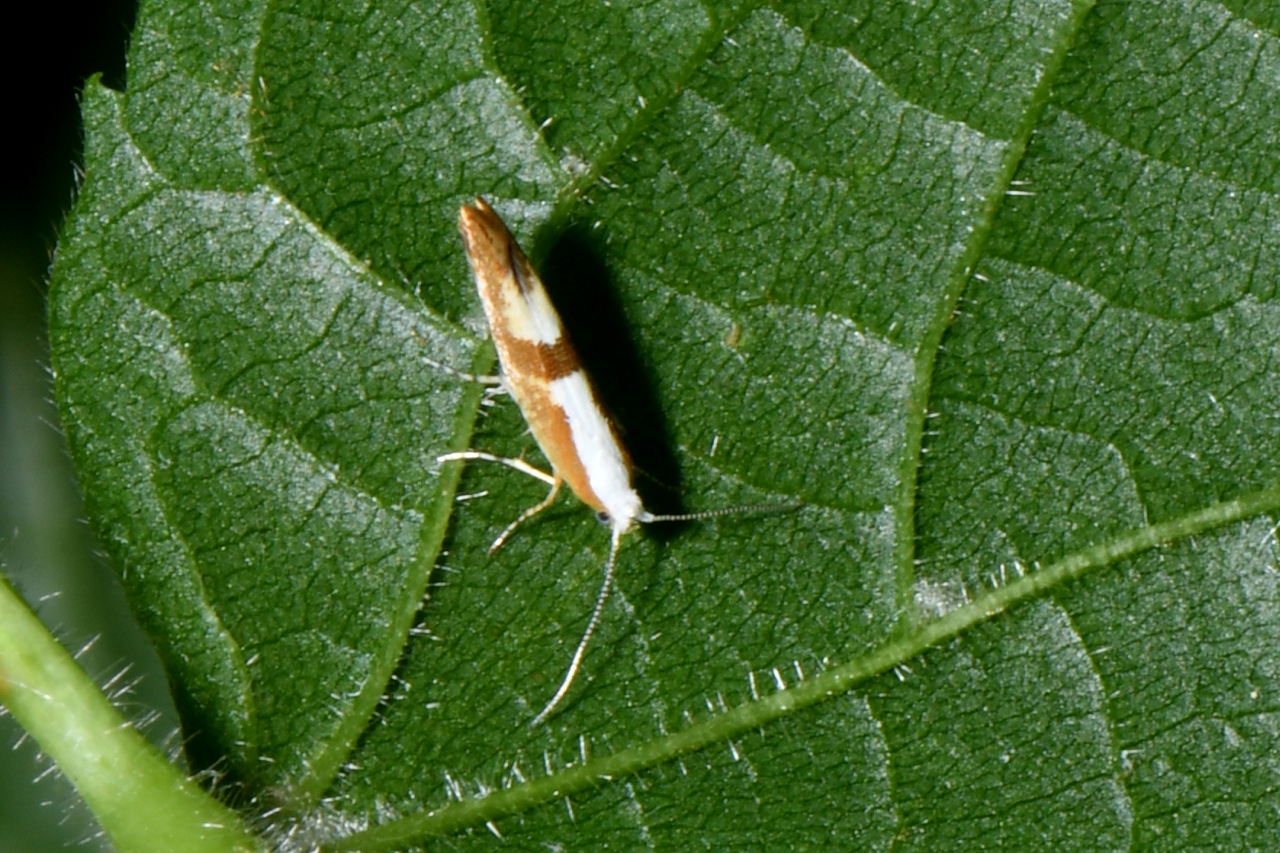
[[602, 517]]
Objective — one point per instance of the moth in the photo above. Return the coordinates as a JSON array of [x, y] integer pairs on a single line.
[[543, 374]]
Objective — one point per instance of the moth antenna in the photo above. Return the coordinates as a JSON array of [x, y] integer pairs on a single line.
[[649, 518], [596, 614]]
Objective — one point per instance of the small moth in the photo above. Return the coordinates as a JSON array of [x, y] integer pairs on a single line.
[[541, 370]]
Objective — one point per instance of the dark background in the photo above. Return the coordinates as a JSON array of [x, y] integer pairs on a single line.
[[45, 546]]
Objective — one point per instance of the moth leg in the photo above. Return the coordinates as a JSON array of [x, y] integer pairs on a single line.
[[526, 515], [480, 378], [520, 465]]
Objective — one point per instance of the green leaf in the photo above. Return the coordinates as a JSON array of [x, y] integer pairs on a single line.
[[990, 288]]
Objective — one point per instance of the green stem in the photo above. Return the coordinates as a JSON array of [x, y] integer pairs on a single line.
[[142, 802]]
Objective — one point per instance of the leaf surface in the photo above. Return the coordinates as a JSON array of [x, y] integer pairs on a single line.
[[987, 287]]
